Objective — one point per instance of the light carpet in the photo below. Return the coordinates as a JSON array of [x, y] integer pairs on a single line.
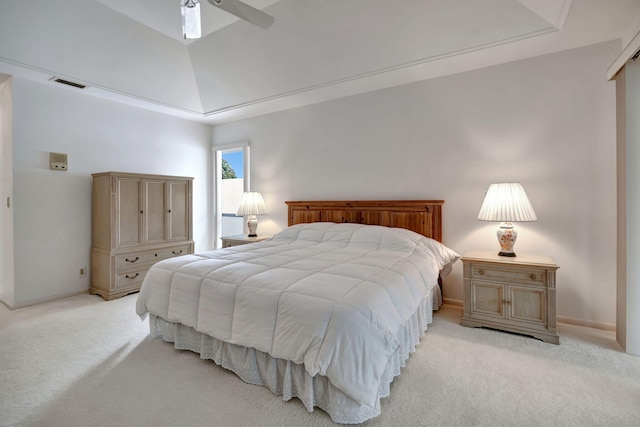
[[82, 361]]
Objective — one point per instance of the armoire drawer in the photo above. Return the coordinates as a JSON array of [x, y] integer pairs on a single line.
[[130, 279], [149, 256]]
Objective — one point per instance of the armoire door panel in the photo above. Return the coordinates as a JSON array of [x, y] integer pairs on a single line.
[[178, 209], [155, 211], [129, 221]]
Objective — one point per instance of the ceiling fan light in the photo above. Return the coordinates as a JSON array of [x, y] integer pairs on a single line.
[[190, 19]]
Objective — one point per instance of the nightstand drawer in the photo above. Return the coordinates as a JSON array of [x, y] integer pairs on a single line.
[[534, 277], [240, 239]]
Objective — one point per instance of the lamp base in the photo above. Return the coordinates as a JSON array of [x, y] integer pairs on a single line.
[[507, 236], [252, 225]]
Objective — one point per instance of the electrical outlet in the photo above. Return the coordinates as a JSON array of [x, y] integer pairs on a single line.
[[83, 271]]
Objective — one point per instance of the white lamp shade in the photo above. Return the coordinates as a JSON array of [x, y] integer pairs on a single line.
[[506, 202], [251, 204], [190, 19]]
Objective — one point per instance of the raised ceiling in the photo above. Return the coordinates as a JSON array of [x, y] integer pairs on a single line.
[[162, 17], [132, 51]]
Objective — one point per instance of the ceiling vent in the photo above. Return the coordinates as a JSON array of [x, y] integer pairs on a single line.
[[67, 82]]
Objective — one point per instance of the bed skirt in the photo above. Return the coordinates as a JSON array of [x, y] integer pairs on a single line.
[[289, 379]]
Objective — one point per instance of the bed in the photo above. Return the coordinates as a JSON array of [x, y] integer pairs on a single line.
[[328, 310]]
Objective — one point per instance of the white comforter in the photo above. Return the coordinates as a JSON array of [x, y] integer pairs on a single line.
[[330, 296]]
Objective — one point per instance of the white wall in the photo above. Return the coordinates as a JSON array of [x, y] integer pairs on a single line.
[[548, 122], [52, 209]]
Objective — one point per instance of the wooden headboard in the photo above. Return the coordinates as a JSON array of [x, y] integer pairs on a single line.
[[422, 216]]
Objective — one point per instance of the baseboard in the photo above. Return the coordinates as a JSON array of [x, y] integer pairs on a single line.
[[453, 302], [588, 323], [560, 319], [36, 301], [6, 302]]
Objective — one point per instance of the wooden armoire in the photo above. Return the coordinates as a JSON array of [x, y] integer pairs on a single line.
[[138, 220]]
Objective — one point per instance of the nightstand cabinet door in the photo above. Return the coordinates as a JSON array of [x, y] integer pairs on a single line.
[[512, 294], [487, 299], [527, 304]]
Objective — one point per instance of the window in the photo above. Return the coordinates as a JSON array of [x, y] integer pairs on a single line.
[[231, 180]]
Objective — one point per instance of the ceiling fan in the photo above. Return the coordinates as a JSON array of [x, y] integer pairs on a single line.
[[191, 15]]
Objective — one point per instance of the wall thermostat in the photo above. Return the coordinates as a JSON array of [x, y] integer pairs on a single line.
[[58, 162]]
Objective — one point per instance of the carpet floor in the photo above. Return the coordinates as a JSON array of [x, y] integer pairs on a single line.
[[82, 361]]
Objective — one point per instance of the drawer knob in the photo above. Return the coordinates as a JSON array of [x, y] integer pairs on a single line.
[[533, 277], [481, 272], [177, 252], [132, 260], [132, 277]]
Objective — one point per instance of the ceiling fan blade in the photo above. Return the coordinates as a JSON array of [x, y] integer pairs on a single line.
[[244, 11]]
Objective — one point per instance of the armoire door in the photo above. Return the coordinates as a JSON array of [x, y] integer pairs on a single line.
[[179, 219], [128, 212], [155, 211]]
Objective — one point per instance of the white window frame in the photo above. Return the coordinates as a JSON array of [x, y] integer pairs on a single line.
[[218, 151]]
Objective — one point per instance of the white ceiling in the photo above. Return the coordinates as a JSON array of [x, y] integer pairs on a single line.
[[132, 50]]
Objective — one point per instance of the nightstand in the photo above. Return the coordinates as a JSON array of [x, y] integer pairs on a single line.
[[515, 294], [240, 239]]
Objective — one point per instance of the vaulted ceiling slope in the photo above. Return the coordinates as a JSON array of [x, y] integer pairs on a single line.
[[132, 51]]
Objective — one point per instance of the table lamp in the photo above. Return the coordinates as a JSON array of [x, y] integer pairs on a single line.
[[251, 205], [506, 202]]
